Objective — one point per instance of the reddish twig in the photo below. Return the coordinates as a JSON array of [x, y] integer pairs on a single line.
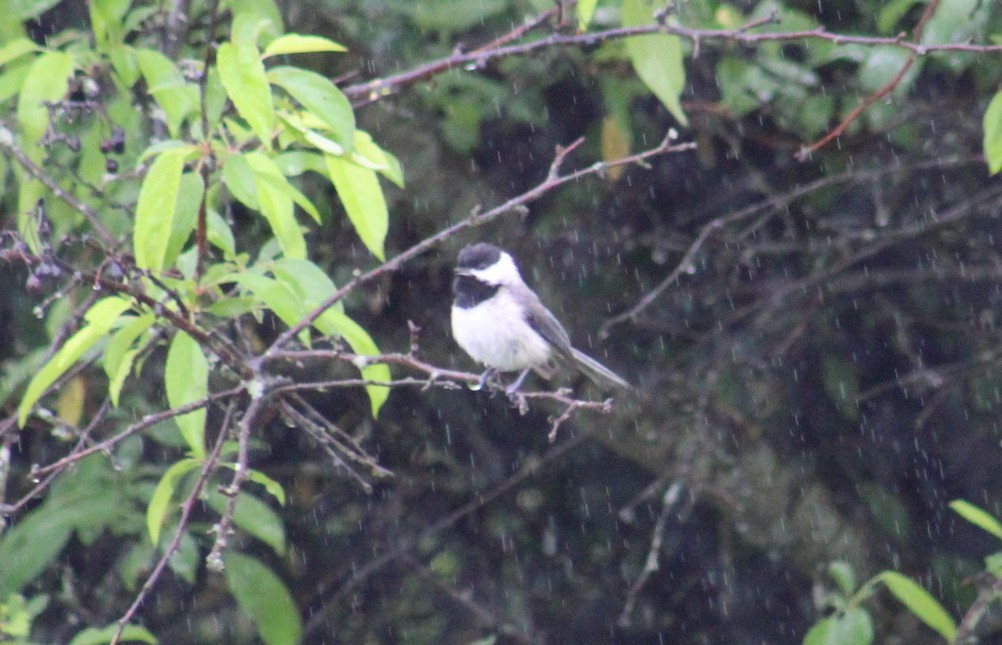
[[867, 101], [372, 90]]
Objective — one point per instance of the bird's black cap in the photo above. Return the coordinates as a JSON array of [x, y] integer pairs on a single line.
[[478, 256]]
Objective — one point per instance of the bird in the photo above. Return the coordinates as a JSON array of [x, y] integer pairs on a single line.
[[501, 323]]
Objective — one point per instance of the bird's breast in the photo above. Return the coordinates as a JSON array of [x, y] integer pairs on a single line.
[[496, 334]]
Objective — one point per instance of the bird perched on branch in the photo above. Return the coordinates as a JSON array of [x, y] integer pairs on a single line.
[[501, 323]]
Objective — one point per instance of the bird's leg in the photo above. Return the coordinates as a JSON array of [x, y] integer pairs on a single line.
[[513, 388], [488, 373]]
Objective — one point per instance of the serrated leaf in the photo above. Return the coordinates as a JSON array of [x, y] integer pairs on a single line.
[[657, 58], [274, 196], [977, 516], [99, 320], [156, 207], [243, 76], [186, 378], [320, 97], [256, 518], [920, 602], [47, 81], [300, 44], [98, 636], [159, 506], [363, 201], [993, 134], [264, 597]]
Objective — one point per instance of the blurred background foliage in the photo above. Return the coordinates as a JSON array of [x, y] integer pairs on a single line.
[[816, 387]]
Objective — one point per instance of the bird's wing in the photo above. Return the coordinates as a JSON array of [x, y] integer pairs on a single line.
[[545, 323]]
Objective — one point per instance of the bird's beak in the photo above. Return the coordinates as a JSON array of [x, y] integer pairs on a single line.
[[459, 271]]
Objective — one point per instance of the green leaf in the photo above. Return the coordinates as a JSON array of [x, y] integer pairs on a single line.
[[96, 636], [854, 627], [243, 76], [993, 134], [378, 159], [310, 136], [156, 208], [657, 58], [47, 81], [920, 602], [977, 516], [119, 353], [189, 200], [308, 281], [99, 320], [585, 11], [320, 97], [186, 377], [256, 518], [275, 201], [15, 49], [843, 575], [159, 506], [175, 96], [239, 179], [841, 381], [278, 297], [220, 235], [270, 485], [25, 9], [362, 198], [264, 597], [362, 344], [28, 547], [299, 44], [993, 564]]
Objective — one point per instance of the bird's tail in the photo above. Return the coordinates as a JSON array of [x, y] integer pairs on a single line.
[[597, 372]]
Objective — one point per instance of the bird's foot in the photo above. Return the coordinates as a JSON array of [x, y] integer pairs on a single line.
[[486, 376], [512, 390]]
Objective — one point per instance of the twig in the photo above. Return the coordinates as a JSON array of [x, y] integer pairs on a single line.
[[224, 528], [374, 89], [7, 143], [145, 422], [887, 88], [651, 563], [189, 504], [476, 219]]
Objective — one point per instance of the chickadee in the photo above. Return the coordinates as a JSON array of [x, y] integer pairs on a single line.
[[500, 322]]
